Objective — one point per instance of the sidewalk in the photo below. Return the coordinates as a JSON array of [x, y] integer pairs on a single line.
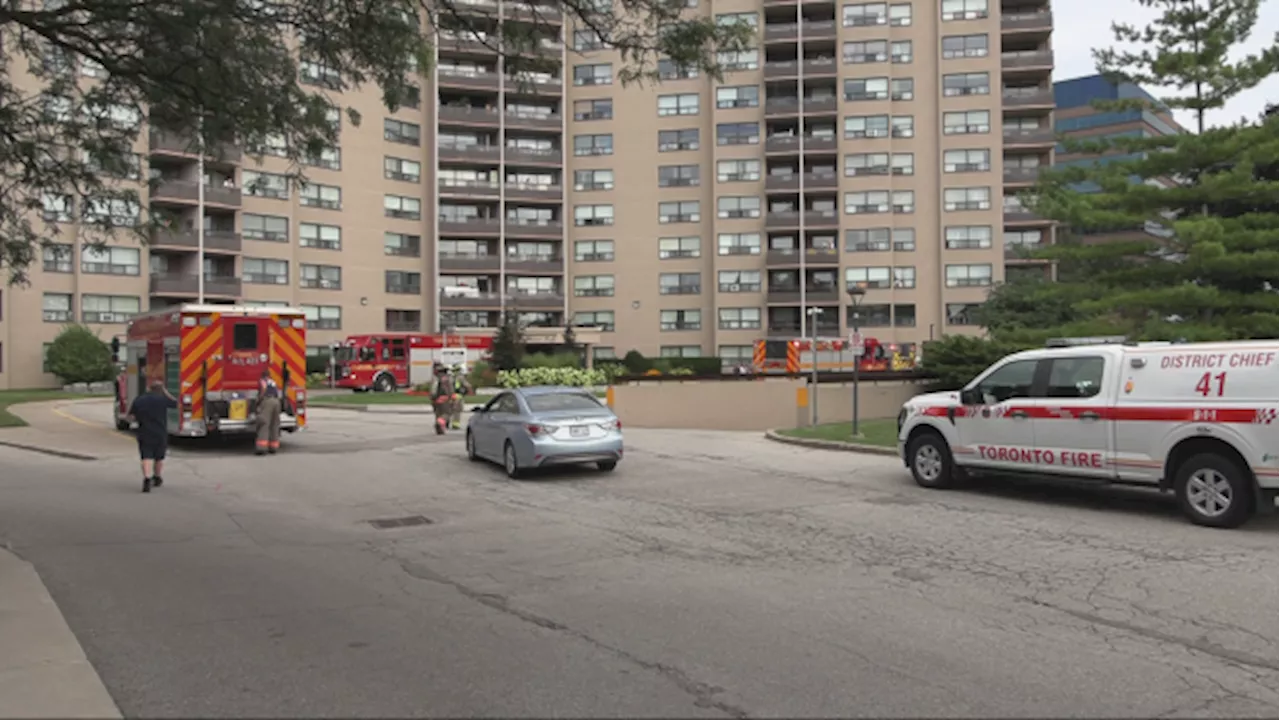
[[54, 429], [43, 671]]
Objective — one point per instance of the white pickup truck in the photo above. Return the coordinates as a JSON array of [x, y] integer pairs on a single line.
[[1196, 418]]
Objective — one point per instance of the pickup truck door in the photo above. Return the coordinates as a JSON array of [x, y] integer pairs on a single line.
[[1072, 425], [997, 432]]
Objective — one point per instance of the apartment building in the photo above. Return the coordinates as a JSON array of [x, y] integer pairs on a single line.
[[881, 144]]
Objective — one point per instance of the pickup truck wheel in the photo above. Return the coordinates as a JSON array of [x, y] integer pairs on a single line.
[[931, 463], [1214, 491]]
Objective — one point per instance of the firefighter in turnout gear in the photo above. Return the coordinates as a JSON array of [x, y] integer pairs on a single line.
[[462, 388], [268, 416], [442, 392]]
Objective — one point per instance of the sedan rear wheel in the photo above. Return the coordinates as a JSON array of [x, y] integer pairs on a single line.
[[509, 461]]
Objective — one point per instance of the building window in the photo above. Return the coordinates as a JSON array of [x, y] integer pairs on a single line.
[[904, 126], [597, 109], [738, 244], [968, 237], [669, 70], [398, 131], [738, 207], [902, 89], [401, 282], [602, 319], [733, 61], [904, 278], [958, 84], [584, 145], [670, 248], [263, 271], [586, 40], [738, 96], [56, 208], [401, 207], [680, 351], [600, 352], [683, 104], [866, 126], [589, 180], [737, 170], [327, 158], [973, 198], [323, 237], [749, 19], [57, 307], [593, 286], [866, 203], [394, 168], [593, 250], [108, 308], [267, 185], [677, 140], [904, 315], [871, 278], [1023, 239], [111, 211], [403, 320], [739, 281], [972, 122], [680, 320], [739, 318], [869, 315], [904, 239], [322, 277], [904, 201], [866, 51], [401, 245], [315, 195], [110, 261], [592, 215], [900, 51], [734, 356], [57, 258], [902, 164], [274, 228], [863, 164], [678, 176], [323, 317], [968, 275], [880, 240], [738, 134], [962, 313], [601, 74], [958, 161], [964, 46], [858, 89], [684, 211], [314, 73], [964, 9], [865, 14], [679, 283]]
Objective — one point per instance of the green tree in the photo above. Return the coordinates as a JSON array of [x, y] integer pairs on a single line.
[[1183, 266], [956, 359], [218, 73], [508, 344], [77, 355]]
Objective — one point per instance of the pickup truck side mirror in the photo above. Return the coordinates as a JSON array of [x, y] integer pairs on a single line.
[[970, 396]]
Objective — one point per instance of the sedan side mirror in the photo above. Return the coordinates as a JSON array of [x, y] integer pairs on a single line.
[[477, 409]]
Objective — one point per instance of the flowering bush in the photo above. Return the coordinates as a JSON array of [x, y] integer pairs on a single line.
[[527, 377]]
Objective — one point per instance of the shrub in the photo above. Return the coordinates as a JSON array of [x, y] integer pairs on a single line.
[[636, 363], [482, 374], [699, 366], [551, 360], [317, 380], [79, 356], [526, 377], [318, 364]]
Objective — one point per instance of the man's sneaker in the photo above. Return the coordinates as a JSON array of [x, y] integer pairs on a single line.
[[156, 481], [146, 485]]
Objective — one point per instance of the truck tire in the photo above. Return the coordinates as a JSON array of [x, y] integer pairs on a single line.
[[122, 424], [1214, 491], [384, 383], [930, 461]]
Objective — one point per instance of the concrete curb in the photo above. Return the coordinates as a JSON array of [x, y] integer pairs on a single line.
[[830, 444], [48, 451], [405, 409], [43, 672]]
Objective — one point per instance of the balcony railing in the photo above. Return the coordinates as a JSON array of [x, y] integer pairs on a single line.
[[216, 240], [1026, 22], [472, 80], [549, 300], [469, 225], [537, 121], [1027, 60], [469, 115], [528, 191], [539, 228], [534, 264], [469, 188], [470, 262], [1020, 175], [791, 143], [475, 153], [1027, 97], [161, 142], [822, 294], [812, 256], [791, 218], [534, 156], [189, 191], [180, 284], [470, 300], [1042, 136]]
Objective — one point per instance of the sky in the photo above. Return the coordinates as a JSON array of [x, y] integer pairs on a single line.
[[1081, 25]]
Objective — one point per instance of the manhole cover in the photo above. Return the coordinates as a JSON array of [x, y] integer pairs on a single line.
[[410, 521]]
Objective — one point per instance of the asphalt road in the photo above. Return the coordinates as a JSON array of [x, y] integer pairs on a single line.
[[711, 575]]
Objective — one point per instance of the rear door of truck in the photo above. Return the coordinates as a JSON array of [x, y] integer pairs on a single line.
[[245, 341]]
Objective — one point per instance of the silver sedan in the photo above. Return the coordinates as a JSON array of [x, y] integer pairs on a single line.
[[534, 427]]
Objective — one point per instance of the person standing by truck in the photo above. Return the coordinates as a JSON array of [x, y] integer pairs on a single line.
[[268, 440], [462, 388], [442, 392], [151, 411]]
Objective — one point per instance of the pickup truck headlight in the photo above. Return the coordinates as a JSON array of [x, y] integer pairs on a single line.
[[902, 418]]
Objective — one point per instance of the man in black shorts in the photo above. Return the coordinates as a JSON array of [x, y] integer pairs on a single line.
[[151, 411]]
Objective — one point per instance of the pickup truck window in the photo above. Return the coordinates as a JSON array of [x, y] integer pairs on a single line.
[[1078, 377], [1009, 382]]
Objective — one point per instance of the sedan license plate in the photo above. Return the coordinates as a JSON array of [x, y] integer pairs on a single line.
[[578, 431]]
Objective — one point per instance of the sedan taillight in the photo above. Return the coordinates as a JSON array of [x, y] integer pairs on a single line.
[[612, 425], [536, 430]]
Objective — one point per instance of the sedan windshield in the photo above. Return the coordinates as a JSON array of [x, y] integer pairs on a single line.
[[552, 402]]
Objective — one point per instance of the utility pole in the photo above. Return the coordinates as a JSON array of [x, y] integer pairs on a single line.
[[856, 293]]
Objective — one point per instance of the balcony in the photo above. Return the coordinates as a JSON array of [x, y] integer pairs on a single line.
[[821, 295], [535, 264], [188, 191], [1021, 175], [467, 115], [787, 144], [456, 78], [469, 226], [1027, 23], [162, 143], [1029, 61], [1017, 216], [485, 154], [468, 42], [787, 219], [535, 193], [531, 156], [485, 189], [791, 182], [534, 229], [812, 256], [1027, 98], [781, 70], [461, 301], [534, 121], [821, 67], [217, 241], [547, 14], [1042, 137], [781, 107], [174, 284], [552, 300], [470, 263], [534, 85]]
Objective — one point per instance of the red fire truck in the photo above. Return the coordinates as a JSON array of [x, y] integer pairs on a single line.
[[386, 361], [211, 358], [796, 355]]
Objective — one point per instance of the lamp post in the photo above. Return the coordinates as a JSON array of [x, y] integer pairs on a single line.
[[813, 313], [856, 293]]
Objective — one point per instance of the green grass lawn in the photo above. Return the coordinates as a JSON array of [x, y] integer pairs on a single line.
[[883, 433], [396, 398], [14, 397]]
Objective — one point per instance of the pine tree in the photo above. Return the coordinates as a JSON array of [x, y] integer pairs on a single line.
[[1198, 255], [508, 343]]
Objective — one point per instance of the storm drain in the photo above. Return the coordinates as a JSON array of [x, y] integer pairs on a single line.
[[400, 522]]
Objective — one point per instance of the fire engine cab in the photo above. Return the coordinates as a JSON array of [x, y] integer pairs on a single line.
[[1197, 419], [386, 361], [798, 355]]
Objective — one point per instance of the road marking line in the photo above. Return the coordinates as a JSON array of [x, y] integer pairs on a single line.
[[57, 410]]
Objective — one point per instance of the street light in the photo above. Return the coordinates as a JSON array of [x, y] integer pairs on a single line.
[[814, 313], [856, 293]]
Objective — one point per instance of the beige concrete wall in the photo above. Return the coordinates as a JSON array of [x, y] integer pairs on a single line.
[[751, 405]]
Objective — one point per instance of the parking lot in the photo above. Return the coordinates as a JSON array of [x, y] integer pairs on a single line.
[[713, 574]]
